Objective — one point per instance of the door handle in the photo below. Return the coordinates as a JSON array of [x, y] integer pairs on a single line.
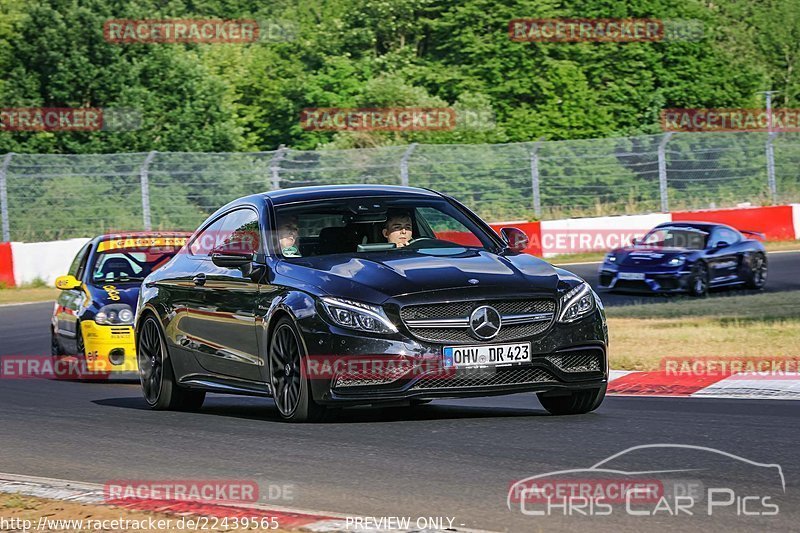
[[199, 279]]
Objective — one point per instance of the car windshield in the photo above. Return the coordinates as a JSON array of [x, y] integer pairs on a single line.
[[368, 225], [689, 238], [128, 265]]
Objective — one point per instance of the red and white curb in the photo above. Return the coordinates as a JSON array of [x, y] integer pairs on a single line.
[[287, 518], [745, 386]]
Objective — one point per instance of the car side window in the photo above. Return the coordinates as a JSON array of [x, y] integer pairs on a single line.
[[723, 235], [206, 240], [79, 263], [240, 230]]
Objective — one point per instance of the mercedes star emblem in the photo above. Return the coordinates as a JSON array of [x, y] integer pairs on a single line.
[[485, 322]]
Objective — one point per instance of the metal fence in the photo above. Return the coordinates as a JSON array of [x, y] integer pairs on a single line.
[[44, 196]]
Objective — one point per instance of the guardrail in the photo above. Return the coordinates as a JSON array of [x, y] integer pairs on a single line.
[[47, 197]]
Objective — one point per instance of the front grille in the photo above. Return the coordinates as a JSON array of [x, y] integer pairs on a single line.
[[367, 378], [632, 285], [463, 336], [120, 330], [667, 282], [462, 310], [578, 361], [509, 376]]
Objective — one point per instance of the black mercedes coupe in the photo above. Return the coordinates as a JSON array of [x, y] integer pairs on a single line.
[[325, 297]]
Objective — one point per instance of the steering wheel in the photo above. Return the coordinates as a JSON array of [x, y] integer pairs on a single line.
[[421, 242]]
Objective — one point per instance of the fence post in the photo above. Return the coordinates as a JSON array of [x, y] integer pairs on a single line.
[[4, 197], [404, 164], [773, 187], [144, 180], [275, 166], [662, 171], [537, 199]]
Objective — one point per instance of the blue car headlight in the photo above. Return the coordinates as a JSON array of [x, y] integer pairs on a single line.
[[678, 260], [358, 315], [577, 303], [114, 315], [610, 258]]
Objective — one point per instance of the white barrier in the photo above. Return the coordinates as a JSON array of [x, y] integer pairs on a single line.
[[43, 260], [796, 220]]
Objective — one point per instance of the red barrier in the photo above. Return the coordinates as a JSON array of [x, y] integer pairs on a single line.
[[6, 265], [532, 229], [775, 221]]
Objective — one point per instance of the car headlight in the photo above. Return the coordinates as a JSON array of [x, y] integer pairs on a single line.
[[358, 315], [610, 258], [114, 314], [677, 261], [577, 303]]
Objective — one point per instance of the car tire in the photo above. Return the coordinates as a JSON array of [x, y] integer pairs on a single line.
[[289, 383], [55, 347], [698, 282], [156, 375], [758, 272], [577, 402], [82, 368]]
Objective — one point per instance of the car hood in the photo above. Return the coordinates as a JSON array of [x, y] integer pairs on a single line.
[[650, 256], [378, 276], [115, 293]]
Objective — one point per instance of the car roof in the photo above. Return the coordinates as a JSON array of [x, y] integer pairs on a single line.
[[703, 226], [322, 192], [140, 235]]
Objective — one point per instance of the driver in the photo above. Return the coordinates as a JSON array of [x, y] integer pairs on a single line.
[[398, 227]]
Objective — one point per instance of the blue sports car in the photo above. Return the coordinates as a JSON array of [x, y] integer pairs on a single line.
[[686, 257]]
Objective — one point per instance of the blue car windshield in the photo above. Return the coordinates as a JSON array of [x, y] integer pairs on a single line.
[[669, 237], [367, 225], [127, 265]]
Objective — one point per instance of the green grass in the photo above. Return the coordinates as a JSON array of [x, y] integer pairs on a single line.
[[721, 327], [27, 294]]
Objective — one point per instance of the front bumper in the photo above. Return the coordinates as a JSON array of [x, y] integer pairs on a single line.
[[109, 348], [663, 281], [567, 356]]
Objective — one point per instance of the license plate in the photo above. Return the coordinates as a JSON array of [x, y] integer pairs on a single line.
[[489, 355], [631, 275]]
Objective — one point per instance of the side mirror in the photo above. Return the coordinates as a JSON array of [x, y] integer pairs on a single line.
[[67, 282], [231, 255], [636, 241], [516, 239]]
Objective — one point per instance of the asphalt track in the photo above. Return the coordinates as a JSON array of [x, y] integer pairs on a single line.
[[453, 458]]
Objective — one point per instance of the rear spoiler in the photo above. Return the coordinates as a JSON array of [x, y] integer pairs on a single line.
[[754, 234]]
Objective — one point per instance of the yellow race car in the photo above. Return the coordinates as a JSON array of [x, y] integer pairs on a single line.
[[93, 316]]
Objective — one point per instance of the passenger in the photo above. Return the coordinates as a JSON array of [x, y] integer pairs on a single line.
[[289, 237]]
